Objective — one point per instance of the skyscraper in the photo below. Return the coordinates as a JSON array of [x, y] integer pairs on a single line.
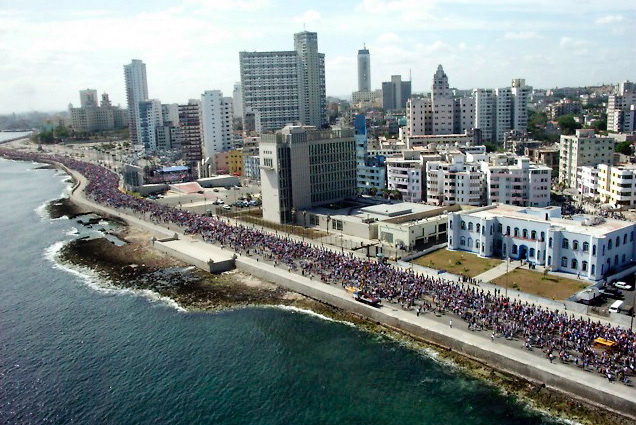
[[285, 87], [136, 91], [395, 93], [237, 100], [364, 70], [88, 98], [312, 76]]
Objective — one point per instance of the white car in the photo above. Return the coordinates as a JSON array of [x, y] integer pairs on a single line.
[[622, 285], [227, 207]]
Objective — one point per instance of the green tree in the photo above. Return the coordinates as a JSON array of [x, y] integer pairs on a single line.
[[623, 147], [568, 125], [490, 147]]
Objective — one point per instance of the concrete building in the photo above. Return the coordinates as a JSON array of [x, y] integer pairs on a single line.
[[395, 93], [588, 247], [237, 101], [364, 70], [458, 181], [92, 116], [371, 169], [587, 182], [584, 148], [136, 92], [407, 175], [149, 120], [616, 185], [563, 107], [514, 180], [303, 167], [286, 87], [621, 109], [442, 113], [501, 110], [252, 168], [216, 127]]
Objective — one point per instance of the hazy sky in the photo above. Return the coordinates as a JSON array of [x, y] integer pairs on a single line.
[[50, 50]]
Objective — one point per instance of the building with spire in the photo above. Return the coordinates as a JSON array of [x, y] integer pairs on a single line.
[[364, 70]]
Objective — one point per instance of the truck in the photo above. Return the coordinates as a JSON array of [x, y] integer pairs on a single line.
[[588, 296]]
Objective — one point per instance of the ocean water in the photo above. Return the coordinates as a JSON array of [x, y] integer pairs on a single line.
[[75, 349]]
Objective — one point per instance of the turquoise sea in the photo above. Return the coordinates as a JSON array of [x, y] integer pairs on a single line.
[[76, 349]]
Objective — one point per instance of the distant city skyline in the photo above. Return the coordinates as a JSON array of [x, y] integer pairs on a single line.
[[192, 46]]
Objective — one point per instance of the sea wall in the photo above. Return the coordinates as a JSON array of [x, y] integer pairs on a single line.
[[489, 356]]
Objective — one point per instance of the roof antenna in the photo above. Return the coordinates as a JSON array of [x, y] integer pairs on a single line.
[[410, 77]]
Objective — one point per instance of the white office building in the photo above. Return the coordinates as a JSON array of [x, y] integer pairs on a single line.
[[237, 101], [583, 148], [302, 167], [458, 181], [588, 247], [407, 175], [364, 70], [515, 181], [216, 127], [136, 92]]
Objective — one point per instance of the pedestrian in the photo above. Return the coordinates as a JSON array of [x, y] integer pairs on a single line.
[[492, 337], [450, 323]]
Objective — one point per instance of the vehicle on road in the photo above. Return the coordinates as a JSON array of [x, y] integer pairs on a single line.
[[366, 298], [623, 285], [227, 207]]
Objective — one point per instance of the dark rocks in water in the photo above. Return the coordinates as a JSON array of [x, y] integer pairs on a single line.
[[45, 167], [63, 207]]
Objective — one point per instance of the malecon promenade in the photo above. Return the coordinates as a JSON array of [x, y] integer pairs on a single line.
[[321, 274]]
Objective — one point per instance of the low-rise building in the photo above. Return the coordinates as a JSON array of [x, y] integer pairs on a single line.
[[408, 176], [588, 247]]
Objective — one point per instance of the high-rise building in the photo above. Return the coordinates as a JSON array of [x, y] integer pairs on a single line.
[[621, 109], [584, 148], [502, 110], [371, 169], [364, 70], [303, 167], [395, 93], [440, 114], [216, 126], [237, 100], [149, 119], [285, 87], [189, 132], [88, 98], [136, 91], [313, 109]]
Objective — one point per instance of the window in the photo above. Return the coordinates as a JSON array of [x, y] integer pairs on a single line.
[[586, 246], [574, 263], [593, 249], [584, 266], [470, 243], [500, 228], [564, 262], [531, 252], [625, 238], [549, 260], [609, 245], [507, 230], [516, 232], [462, 241], [478, 227], [550, 243], [477, 243], [463, 225], [575, 244], [533, 235], [618, 241], [616, 260], [565, 244], [514, 249], [542, 236], [470, 227], [525, 233], [593, 268]]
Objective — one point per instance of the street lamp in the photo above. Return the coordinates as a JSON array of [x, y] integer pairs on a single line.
[[328, 220], [304, 223]]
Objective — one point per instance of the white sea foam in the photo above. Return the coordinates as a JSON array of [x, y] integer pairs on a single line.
[[73, 231], [98, 283], [312, 313]]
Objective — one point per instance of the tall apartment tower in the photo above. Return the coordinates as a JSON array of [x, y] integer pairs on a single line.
[[313, 92], [442, 100], [189, 132], [286, 87], [364, 70], [216, 126], [136, 91], [584, 148], [148, 120]]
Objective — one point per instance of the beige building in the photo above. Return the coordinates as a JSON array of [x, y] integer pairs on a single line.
[[584, 148], [617, 185]]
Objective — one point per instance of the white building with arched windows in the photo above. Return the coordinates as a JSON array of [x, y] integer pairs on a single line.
[[590, 247]]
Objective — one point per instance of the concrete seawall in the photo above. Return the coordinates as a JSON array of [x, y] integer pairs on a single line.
[[589, 387]]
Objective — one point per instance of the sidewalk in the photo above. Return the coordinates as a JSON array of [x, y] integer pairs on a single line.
[[499, 271]]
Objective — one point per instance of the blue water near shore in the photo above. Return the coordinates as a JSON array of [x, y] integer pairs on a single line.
[[76, 351]]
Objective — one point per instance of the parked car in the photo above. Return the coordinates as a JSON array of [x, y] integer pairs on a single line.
[[227, 207], [623, 285]]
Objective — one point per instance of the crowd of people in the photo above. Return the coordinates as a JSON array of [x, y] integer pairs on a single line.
[[557, 333]]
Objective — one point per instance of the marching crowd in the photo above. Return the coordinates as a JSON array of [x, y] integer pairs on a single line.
[[558, 334]]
